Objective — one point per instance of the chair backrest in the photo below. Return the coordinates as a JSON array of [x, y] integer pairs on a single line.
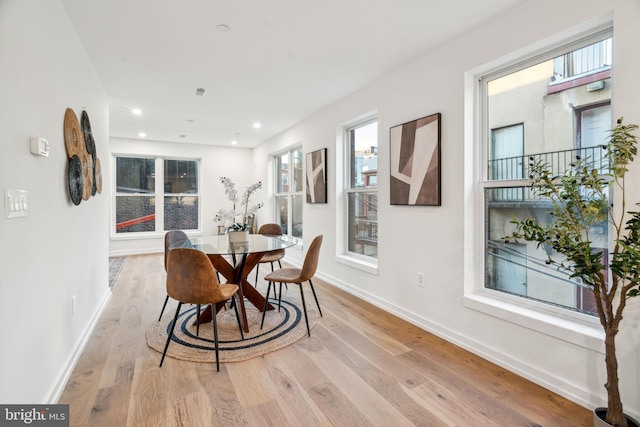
[[310, 263], [191, 278], [270, 229], [170, 238]]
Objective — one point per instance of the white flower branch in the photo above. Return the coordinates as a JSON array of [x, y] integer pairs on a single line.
[[231, 218]]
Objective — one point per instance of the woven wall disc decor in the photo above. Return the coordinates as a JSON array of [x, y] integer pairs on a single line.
[[84, 165], [73, 137], [75, 179], [97, 176], [87, 175], [90, 144], [88, 136]]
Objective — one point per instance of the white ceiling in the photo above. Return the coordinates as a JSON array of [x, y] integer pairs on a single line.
[[280, 62]]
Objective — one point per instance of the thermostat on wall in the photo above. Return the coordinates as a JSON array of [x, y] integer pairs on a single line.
[[40, 146]]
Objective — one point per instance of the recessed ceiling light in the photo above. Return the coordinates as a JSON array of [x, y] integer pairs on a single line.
[[223, 28], [136, 111], [200, 91], [234, 142], [257, 125], [142, 135], [183, 136]]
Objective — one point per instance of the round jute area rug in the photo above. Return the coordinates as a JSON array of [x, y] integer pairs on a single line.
[[280, 330]]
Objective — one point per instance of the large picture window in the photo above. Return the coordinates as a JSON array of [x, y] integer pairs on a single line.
[[156, 195], [551, 109], [362, 188], [288, 192]]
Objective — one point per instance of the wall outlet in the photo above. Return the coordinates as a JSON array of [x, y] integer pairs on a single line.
[[74, 307], [421, 280]]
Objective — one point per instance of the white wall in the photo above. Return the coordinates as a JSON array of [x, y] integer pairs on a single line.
[[437, 242], [235, 163], [58, 250]]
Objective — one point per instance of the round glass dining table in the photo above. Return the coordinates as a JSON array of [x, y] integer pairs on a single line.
[[234, 261]]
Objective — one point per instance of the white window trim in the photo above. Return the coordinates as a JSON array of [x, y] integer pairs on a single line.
[[274, 188], [343, 255], [159, 196], [573, 327]]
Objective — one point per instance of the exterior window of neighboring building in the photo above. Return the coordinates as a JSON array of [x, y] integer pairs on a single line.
[[552, 109], [361, 189], [181, 195], [144, 206], [288, 191]]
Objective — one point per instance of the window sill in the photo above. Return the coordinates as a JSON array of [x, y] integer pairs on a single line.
[[584, 332], [360, 264], [149, 235]]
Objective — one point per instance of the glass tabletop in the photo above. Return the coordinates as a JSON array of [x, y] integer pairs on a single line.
[[219, 245]]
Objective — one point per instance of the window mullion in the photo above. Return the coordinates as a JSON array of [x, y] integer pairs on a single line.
[[159, 193]]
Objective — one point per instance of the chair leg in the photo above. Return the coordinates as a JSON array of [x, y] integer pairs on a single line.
[[280, 265], [274, 286], [215, 334], [314, 296], [198, 320], [166, 300], [233, 303], [257, 268], [266, 303], [173, 325], [280, 296], [304, 308]]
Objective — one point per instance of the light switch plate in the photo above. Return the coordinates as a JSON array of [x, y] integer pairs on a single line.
[[16, 203]]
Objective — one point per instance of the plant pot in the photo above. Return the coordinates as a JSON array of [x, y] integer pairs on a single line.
[[238, 236], [599, 415]]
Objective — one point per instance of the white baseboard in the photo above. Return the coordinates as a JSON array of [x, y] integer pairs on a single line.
[[128, 252], [295, 263], [61, 380]]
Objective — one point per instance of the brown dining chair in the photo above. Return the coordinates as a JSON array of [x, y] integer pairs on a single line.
[[297, 276], [170, 238], [191, 279], [270, 229]]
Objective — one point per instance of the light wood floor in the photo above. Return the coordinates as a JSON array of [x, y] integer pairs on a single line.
[[361, 367]]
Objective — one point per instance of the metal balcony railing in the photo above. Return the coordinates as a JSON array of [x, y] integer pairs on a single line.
[[366, 226], [558, 162], [587, 60]]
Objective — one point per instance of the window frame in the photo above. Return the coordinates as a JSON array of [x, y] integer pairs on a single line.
[[185, 194], [575, 327], [362, 262], [290, 194], [159, 196]]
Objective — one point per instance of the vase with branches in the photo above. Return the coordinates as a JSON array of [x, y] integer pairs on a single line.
[[580, 202], [237, 219]]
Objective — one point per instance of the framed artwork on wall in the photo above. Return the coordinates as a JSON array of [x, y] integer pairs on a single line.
[[316, 176], [415, 162]]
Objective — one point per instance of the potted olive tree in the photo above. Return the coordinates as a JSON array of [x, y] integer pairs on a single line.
[[580, 200]]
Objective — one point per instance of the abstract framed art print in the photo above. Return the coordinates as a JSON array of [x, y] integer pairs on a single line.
[[415, 162], [316, 176]]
